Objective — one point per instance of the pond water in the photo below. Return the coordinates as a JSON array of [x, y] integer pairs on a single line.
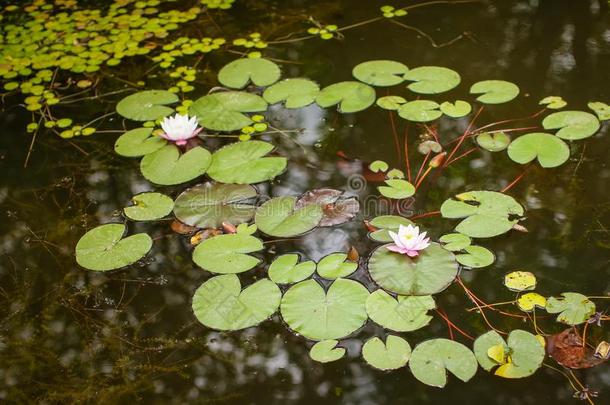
[[72, 335]]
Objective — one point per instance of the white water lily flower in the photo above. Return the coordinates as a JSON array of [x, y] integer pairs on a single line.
[[180, 128], [408, 240]]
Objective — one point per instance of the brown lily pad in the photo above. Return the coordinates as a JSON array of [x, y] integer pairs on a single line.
[[568, 350], [336, 208]]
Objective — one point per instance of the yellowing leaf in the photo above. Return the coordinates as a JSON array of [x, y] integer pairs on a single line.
[[496, 353], [520, 281], [527, 302]]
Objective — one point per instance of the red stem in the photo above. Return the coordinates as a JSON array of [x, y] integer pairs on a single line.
[[461, 140], [426, 214], [407, 160], [515, 181], [468, 152], [422, 166], [395, 134], [446, 318]]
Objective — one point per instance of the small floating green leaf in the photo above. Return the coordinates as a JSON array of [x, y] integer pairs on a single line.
[[240, 72], [493, 142], [295, 93], [326, 351], [138, 142], [149, 207], [495, 91], [431, 360], [390, 102], [279, 217], [391, 355], [227, 254], [400, 314], [601, 109], [553, 102], [335, 266], [455, 241], [397, 189], [380, 72], [420, 111], [548, 149], [520, 356], [573, 308], [148, 105], [351, 96], [285, 269], [572, 125], [432, 79], [456, 110], [476, 257], [167, 166], [520, 281]]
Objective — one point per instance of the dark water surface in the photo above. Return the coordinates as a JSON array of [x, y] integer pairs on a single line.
[[68, 335]]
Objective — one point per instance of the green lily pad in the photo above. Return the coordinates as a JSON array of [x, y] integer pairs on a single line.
[[395, 174], [400, 314], [240, 72], [553, 102], [228, 254], [476, 257], [573, 308], [148, 105], [397, 189], [220, 303], [326, 351], [378, 166], [245, 163], [431, 359], [601, 109], [391, 355], [548, 149], [390, 102], [386, 223], [432, 79], [456, 110], [138, 142], [520, 356], [486, 213], [429, 273], [149, 207], [224, 111], [420, 111], [380, 72], [319, 315], [493, 142], [104, 248], [295, 93], [455, 241], [167, 166], [285, 269], [495, 91], [208, 205], [335, 266], [350, 96], [572, 125], [279, 217]]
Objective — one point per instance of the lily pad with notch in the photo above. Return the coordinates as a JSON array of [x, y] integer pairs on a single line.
[[432, 79], [493, 141], [420, 111], [138, 142], [455, 241], [601, 109], [336, 265], [228, 254], [326, 351], [286, 269], [495, 91], [572, 125], [397, 189], [167, 166], [392, 103], [392, 354], [282, 218], [548, 149], [386, 223], [458, 109], [475, 257], [401, 314], [240, 72], [225, 111], [350, 96], [430, 361], [148, 105], [380, 72], [149, 206], [295, 93]]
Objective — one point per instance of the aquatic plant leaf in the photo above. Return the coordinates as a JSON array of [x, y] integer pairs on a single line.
[[148, 105], [397, 189], [430, 361], [400, 314], [475, 257], [567, 349], [138, 142], [429, 273], [103, 248], [572, 125], [335, 266], [455, 241], [295, 93], [227, 254], [456, 110], [318, 315], [432, 79], [208, 205], [486, 213], [553, 102], [380, 72], [326, 351], [280, 217], [351, 96], [520, 281], [167, 166], [420, 111], [219, 303], [521, 356], [285, 269], [224, 111], [336, 209], [378, 166], [528, 302], [240, 72], [493, 142], [390, 102], [573, 308], [548, 149], [386, 223], [391, 355], [495, 91], [601, 109], [245, 163], [149, 207]]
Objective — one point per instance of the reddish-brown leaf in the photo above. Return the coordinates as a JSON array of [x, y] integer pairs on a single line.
[[336, 208], [568, 350], [182, 228]]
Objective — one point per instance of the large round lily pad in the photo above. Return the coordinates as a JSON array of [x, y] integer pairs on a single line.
[[486, 213], [149, 207], [548, 149], [240, 72], [400, 314], [220, 303], [138, 142], [245, 163], [104, 248], [572, 125], [279, 217], [431, 360], [350, 96], [420, 111], [228, 254], [318, 315], [429, 273], [208, 205], [391, 355], [495, 91], [148, 105], [380, 72], [167, 166], [520, 356], [295, 93], [224, 111], [432, 79]]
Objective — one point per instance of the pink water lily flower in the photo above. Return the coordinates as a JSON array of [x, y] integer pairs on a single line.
[[408, 241], [180, 128]]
